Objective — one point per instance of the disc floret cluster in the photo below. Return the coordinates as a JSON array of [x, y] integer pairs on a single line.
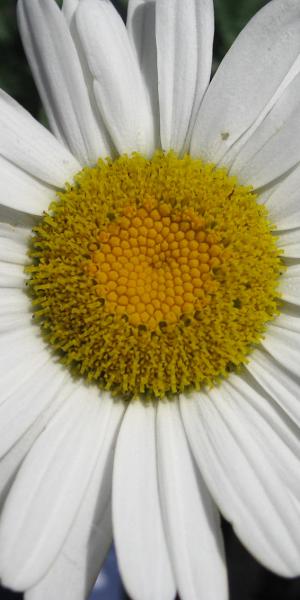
[[150, 276]]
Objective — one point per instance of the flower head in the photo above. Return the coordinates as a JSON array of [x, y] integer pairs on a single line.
[[150, 324]]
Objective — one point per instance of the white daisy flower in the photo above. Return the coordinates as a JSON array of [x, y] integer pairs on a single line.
[[150, 324]]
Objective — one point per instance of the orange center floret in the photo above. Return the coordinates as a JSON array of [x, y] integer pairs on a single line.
[[155, 264]]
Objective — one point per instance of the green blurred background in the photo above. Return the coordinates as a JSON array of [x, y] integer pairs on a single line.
[[15, 78]]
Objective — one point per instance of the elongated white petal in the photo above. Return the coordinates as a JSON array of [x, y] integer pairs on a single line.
[[290, 242], [31, 147], [13, 300], [283, 201], [141, 17], [266, 51], [12, 322], [75, 570], [16, 343], [190, 518], [20, 408], [19, 234], [248, 492], [288, 321], [10, 463], [13, 251], [118, 86], [22, 373], [277, 382], [275, 436], [21, 191], [184, 65], [274, 147], [17, 218], [56, 67], [138, 528], [290, 284], [49, 489], [76, 567], [68, 9], [284, 345], [14, 244], [12, 275]]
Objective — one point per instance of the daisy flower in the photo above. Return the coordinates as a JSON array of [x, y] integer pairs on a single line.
[[150, 285]]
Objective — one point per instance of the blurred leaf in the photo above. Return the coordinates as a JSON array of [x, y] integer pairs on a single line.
[[15, 76], [42, 117], [8, 24]]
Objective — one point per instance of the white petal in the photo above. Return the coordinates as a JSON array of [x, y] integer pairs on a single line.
[[23, 371], [283, 202], [277, 382], [284, 345], [13, 321], [21, 407], [18, 234], [13, 249], [247, 491], [141, 31], [49, 488], [12, 275], [184, 65], [14, 344], [274, 147], [24, 365], [13, 300], [75, 569], [17, 345], [68, 9], [287, 320], [56, 67], [138, 530], [30, 146], [277, 438], [290, 242], [248, 79], [21, 191], [10, 463], [290, 284], [119, 88], [17, 218], [12, 253], [190, 518]]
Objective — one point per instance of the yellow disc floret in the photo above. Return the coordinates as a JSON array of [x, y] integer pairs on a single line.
[[150, 276], [155, 264]]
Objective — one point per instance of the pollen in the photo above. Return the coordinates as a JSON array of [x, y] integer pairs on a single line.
[[140, 269], [152, 276]]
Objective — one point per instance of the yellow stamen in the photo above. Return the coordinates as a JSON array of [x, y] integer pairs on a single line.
[[150, 276]]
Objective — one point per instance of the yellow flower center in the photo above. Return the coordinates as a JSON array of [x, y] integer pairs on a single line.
[[155, 263], [151, 276]]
